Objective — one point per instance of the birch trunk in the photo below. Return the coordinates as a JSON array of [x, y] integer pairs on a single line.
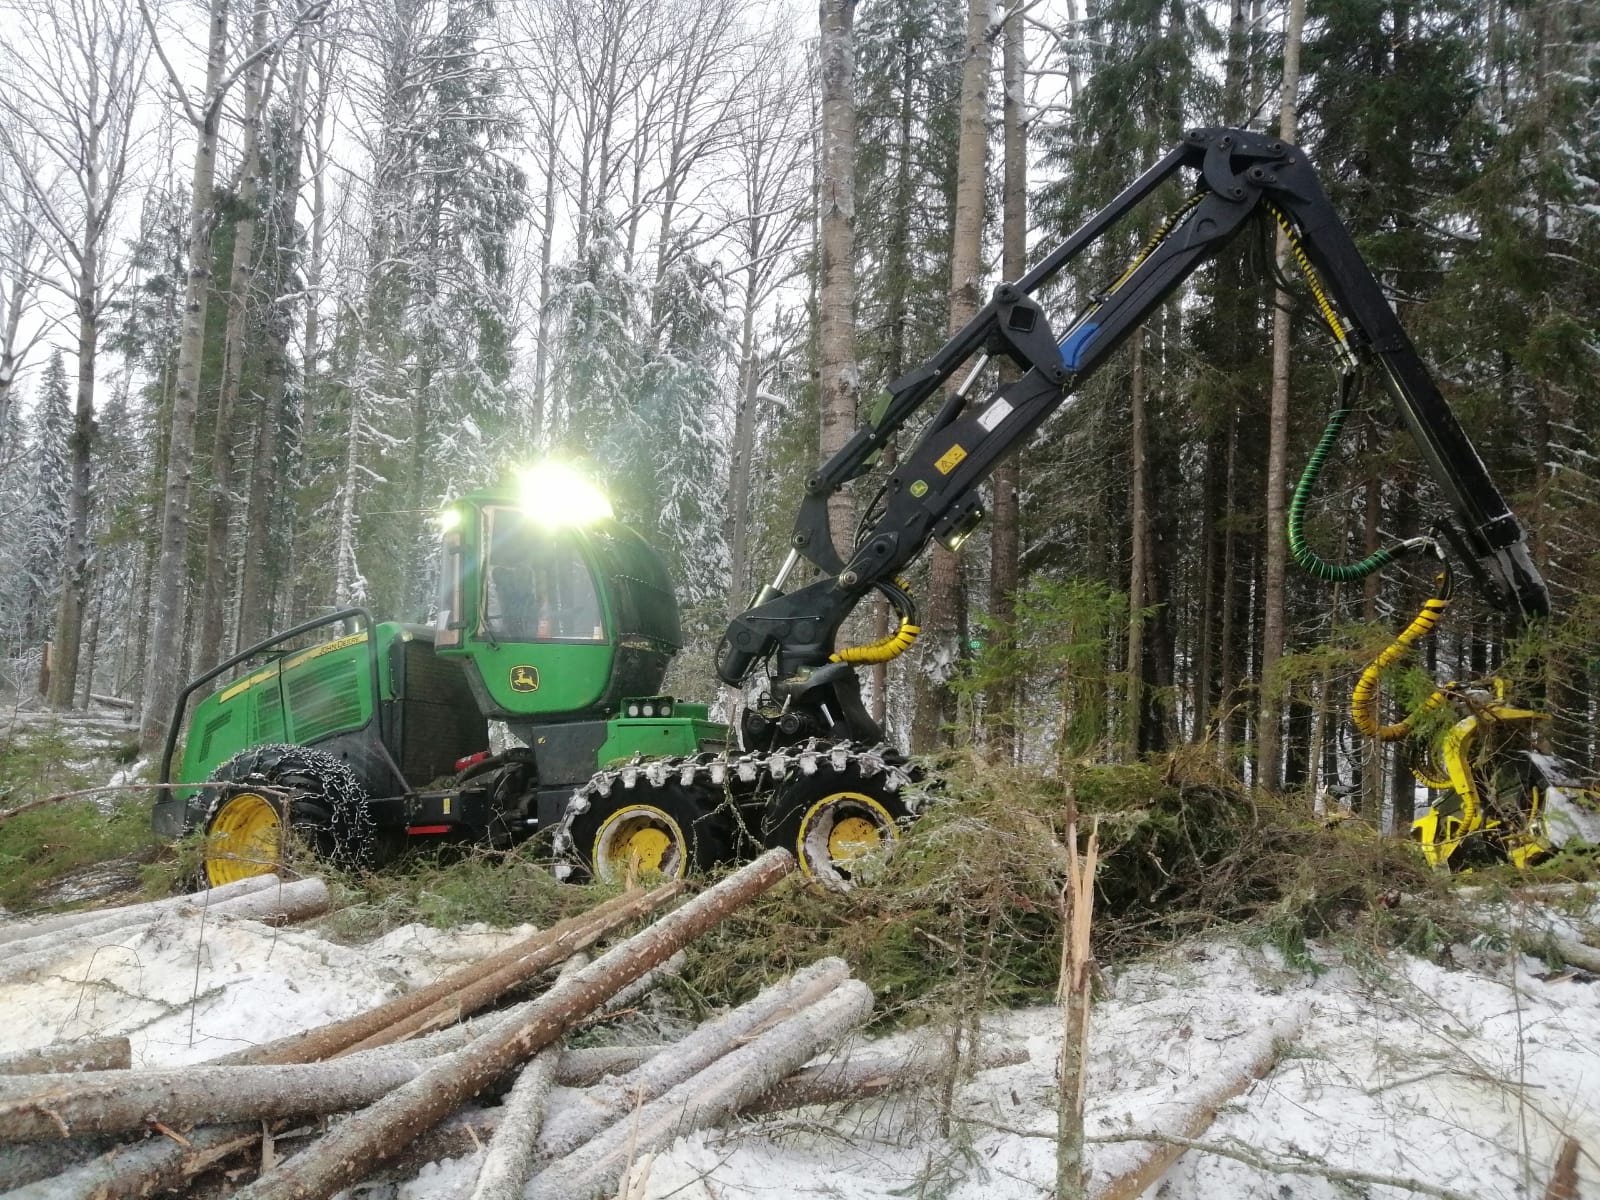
[[708, 1097], [840, 378], [353, 1149], [166, 634], [1269, 719]]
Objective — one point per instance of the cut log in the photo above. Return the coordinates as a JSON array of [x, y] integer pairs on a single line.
[[1196, 1113], [841, 1082], [708, 1097], [581, 1068], [93, 1054], [862, 1077], [510, 1154], [328, 1040], [20, 1165], [600, 1107], [40, 1107], [641, 987], [145, 1168], [482, 992], [364, 1140], [277, 905], [21, 935]]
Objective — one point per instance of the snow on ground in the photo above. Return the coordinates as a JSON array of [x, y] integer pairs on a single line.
[[1464, 1072], [192, 986]]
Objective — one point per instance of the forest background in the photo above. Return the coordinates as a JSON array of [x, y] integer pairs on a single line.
[[279, 277]]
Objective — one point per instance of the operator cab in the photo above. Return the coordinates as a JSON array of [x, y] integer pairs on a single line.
[[559, 609]]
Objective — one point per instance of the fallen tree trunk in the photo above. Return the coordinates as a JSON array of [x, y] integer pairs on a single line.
[[841, 1082], [26, 936], [597, 1108], [1197, 1112], [43, 1107], [278, 905], [510, 1154], [706, 1098], [862, 1077], [343, 1036], [482, 992], [144, 1168], [364, 1140], [20, 1165], [95, 1054]]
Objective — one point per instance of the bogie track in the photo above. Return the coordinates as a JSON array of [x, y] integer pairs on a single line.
[[830, 803]]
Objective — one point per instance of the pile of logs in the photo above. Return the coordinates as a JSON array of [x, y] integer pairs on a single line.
[[406, 1075]]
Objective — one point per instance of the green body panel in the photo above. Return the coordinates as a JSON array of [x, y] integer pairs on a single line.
[[659, 737], [566, 678], [613, 632], [304, 697]]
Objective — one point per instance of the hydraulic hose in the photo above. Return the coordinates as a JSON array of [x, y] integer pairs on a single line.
[[896, 643], [1303, 554], [1364, 697]]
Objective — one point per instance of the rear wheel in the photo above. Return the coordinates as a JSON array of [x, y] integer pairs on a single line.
[[837, 822], [668, 830], [264, 804]]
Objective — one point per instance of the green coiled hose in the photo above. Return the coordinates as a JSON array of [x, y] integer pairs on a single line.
[[1304, 554]]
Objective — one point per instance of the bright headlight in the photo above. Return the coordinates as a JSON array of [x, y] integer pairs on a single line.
[[553, 493]]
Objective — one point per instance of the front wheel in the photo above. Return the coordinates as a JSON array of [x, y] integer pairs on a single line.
[[264, 802]]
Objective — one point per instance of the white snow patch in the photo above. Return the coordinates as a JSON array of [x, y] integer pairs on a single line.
[[192, 986], [1466, 1073]]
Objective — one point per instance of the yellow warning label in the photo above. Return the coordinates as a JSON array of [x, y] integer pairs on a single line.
[[950, 459]]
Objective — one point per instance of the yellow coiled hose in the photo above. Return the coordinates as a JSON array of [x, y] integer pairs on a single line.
[[1364, 697], [898, 642]]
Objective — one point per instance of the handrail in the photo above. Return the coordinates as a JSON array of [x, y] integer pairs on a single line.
[[344, 614]]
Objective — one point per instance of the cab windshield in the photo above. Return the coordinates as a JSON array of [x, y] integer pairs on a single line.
[[537, 586]]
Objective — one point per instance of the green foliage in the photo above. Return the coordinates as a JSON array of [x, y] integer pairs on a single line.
[[1060, 644], [44, 845], [452, 886], [966, 913]]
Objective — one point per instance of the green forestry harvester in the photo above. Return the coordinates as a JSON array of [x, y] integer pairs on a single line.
[[534, 702]]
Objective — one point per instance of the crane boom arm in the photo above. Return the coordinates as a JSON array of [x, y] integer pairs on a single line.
[[932, 492]]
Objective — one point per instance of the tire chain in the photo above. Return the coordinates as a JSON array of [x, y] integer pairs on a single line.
[[350, 823], [753, 773]]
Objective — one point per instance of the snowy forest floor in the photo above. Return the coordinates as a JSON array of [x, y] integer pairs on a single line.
[[1434, 1041], [1465, 1068]]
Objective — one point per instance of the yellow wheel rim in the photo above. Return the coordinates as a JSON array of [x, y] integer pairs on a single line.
[[852, 837], [245, 839], [642, 839], [838, 830]]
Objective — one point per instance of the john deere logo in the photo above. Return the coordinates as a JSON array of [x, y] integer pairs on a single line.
[[524, 679], [919, 489]]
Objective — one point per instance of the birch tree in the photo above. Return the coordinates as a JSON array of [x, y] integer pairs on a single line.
[[69, 91]]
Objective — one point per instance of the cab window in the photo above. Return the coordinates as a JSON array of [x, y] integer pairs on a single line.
[[537, 585]]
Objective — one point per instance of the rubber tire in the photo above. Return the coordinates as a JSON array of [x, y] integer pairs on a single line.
[[706, 833], [327, 806], [790, 816]]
